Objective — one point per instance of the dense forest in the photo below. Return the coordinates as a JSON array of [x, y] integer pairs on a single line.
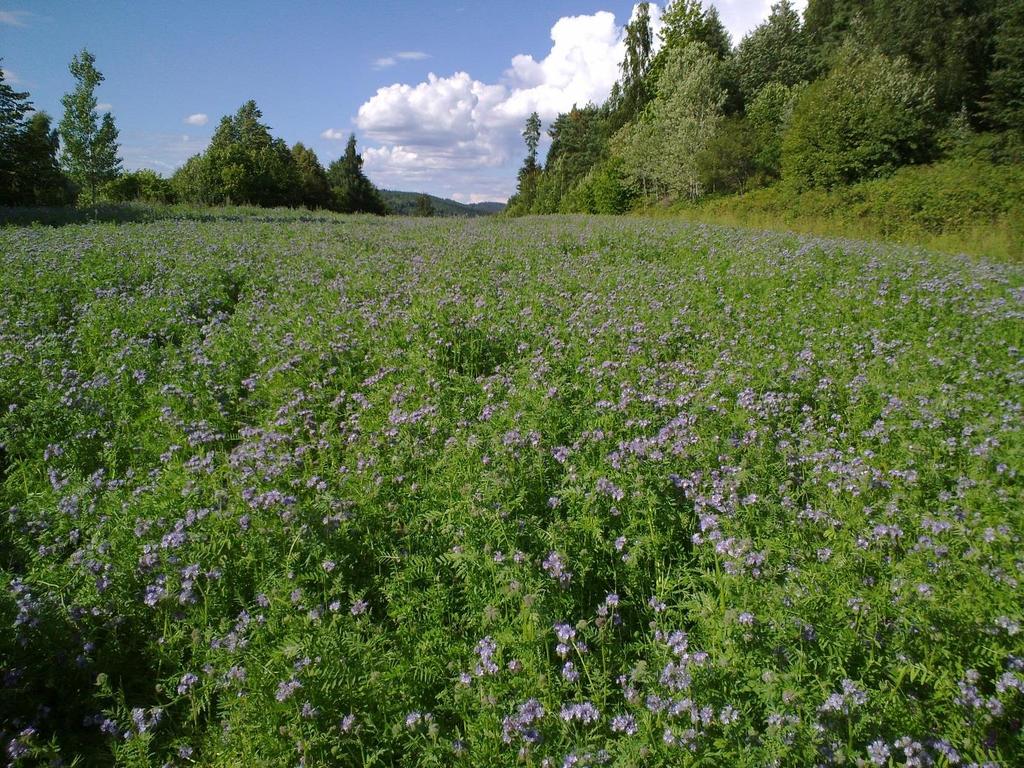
[[848, 93], [852, 91]]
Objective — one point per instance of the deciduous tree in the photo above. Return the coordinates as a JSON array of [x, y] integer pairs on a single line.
[[89, 149]]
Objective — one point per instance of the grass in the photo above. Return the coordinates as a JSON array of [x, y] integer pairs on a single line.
[[547, 491], [959, 206]]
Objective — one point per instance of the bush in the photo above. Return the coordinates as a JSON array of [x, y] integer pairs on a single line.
[[963, 205], [603, 190], [143, 186], [866, 118]]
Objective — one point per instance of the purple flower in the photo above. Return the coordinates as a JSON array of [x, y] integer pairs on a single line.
[[624, 724], [187, 681], [555, 567], [287, 689], [583, 711]]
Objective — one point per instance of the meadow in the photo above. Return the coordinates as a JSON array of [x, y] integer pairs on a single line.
[[545, 492]]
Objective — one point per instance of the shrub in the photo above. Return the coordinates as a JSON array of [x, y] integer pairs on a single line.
[[866, 118], [139, 186]]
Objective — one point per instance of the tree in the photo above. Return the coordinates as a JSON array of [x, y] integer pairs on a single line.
[[424, 207], [142, 186], [869, 116], [949, 41], [660, 151], [244, 164], [14, 105], [353, 192], [1004, 105], [89, 145], [769, 115], [531, 135], [579, 140], [38, 178], [776, 51], [639, 40], [530, 173], [314, 188]]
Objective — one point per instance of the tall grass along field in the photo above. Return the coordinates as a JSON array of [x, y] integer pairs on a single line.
[[558, 492]]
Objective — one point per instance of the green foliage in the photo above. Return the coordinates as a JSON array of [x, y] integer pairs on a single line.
[[424, 207], [635, 89], [283, 488], [14, 105], [603, 190], [971, 205], [353, 192], [777, 51], [529, 177], [947, 41], [660, 150], [314, 188], [868, 116], [1005, 103], [531, 135], [89, 149], [144, 186], [769, 115], [245, 164], [728, 162], [33, 176]]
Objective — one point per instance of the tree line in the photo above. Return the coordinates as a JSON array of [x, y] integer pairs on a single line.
[[78, 161], [852, 90]]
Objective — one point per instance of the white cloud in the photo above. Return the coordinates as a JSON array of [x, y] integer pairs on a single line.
[[458, 135], [389, 61], [335, 134], [741, 16], [457, 126], [104, 106], [198, 118], [10, 77], [14, 18]]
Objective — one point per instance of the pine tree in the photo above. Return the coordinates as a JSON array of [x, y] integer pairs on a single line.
[[89, 146], [14, 105], [353, 192]]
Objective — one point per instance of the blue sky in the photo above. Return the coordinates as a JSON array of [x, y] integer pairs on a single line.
[[435, 92]]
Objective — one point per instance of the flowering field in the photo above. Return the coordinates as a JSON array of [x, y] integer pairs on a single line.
[[550, 492]]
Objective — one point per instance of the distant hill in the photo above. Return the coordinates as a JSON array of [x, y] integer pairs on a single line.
[[404, 204]]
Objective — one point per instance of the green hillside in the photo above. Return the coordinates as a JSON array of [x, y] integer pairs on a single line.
[[404, 204]]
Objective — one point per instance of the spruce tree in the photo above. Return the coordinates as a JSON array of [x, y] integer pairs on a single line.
[[14, 105], [353, 192]]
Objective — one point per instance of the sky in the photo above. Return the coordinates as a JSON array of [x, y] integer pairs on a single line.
[[436, 92]]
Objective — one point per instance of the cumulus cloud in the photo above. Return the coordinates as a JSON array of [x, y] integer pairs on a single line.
[[335, 134], [10, 77], [741, 16], [456, 124], [458, 134], [104, 106], [198, 118]]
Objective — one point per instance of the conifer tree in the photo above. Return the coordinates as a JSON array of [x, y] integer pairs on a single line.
[[353, 192]]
